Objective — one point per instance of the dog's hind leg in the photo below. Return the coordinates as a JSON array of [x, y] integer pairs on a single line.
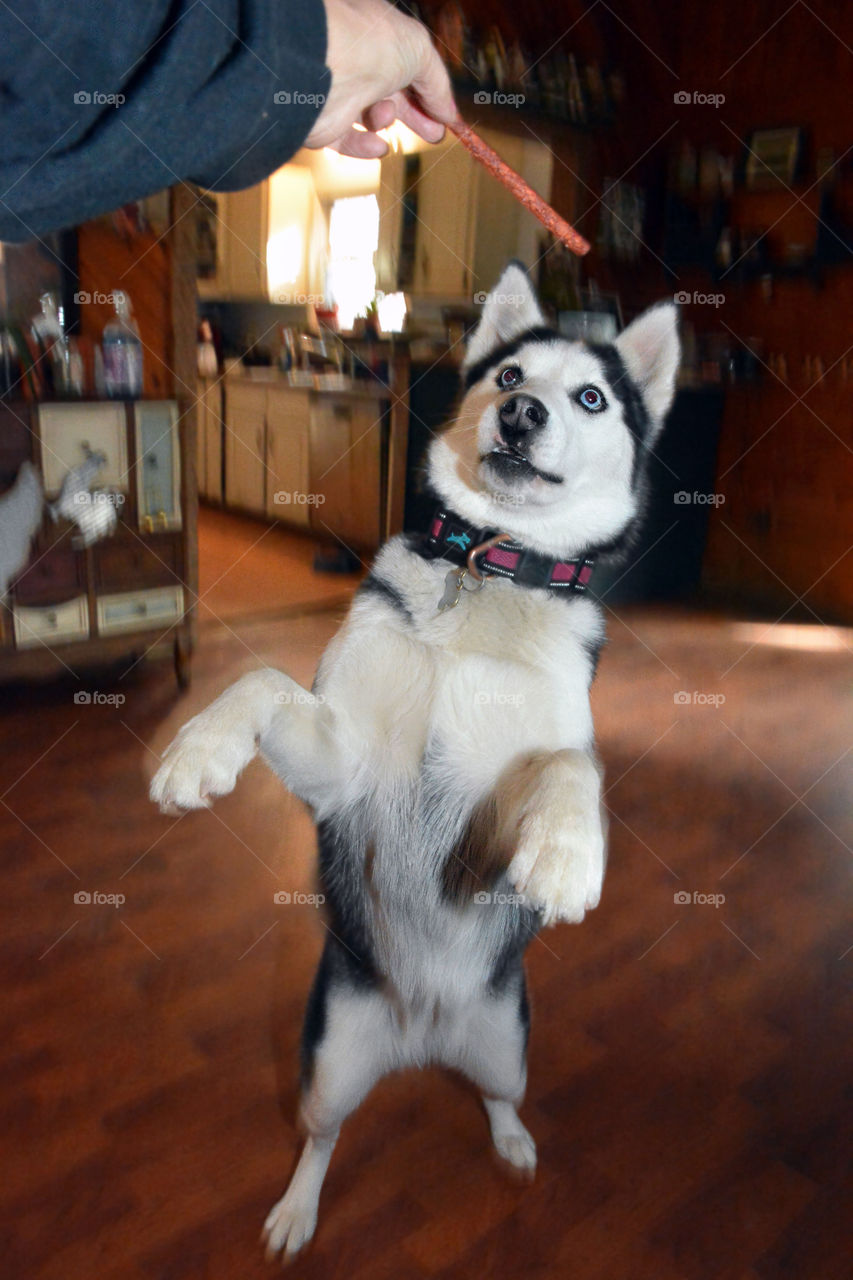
[[349, 1042], [490, 1048]]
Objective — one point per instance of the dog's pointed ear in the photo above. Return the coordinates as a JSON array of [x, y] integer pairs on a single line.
[[509, 310], [651, 350]]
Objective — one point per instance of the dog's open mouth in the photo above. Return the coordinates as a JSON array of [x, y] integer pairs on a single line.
[[511, 464]]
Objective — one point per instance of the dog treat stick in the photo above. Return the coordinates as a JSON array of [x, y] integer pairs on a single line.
[[514, 182]]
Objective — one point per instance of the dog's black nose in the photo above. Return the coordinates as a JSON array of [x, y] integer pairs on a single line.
[[520, 415]]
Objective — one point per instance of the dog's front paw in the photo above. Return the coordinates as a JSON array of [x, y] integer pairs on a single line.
[[203, 761], [559, 866], [290, 1225]]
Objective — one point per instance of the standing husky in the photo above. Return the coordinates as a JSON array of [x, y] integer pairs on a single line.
[[446, 749]]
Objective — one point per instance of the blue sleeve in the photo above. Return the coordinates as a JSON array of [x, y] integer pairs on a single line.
[[107, 101]]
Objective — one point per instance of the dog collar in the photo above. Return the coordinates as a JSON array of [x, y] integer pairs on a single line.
[[499, 555]]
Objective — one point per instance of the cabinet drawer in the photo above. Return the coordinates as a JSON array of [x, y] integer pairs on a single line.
[[53, 577], [53, 624], [137, 610], [123, 566]]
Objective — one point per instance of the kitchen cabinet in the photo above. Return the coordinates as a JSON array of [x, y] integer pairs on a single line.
[[209, 439], [246, 231], [466, 225], [238, 223], [444, 240], [245, 447], [346, 469], [270, 240], [288, 428], [312, 459]]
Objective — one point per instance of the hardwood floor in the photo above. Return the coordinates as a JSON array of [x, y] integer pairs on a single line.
[[251, 567], [690, 1064]]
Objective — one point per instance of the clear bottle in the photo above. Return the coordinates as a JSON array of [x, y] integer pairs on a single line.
[[122, 352]]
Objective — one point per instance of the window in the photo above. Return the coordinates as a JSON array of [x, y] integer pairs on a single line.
[[353, 240]]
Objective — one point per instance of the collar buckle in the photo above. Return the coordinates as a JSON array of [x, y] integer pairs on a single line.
[[473, 568]]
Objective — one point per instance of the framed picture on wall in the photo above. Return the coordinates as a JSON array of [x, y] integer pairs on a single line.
[[773, 156]]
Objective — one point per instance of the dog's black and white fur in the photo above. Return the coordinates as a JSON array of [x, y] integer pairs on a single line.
[[447, 757]]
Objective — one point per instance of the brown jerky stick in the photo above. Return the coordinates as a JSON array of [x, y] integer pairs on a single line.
[[514, 182]]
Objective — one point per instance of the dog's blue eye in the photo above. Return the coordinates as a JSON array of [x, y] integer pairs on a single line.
[[510, 377], [591, 399]]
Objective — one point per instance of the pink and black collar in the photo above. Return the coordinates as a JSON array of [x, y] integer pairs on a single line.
[[452, 538]]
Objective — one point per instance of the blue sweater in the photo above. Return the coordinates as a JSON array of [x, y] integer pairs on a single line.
[[106, 101]]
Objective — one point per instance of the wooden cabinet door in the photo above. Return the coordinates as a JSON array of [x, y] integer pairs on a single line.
[[244, 232], [288, 494], [346, 470], [245, 468], [445, 236], [390, 197], [210, 433]]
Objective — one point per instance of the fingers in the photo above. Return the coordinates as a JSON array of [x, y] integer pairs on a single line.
[[380, 115], [424, 125], [384, 67], [362, 145]]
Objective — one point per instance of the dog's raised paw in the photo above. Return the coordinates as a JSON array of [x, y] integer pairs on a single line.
[[289, 1226], [202, 762], [560, 871]]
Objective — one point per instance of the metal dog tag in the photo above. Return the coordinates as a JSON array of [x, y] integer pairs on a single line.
[[452, 589]]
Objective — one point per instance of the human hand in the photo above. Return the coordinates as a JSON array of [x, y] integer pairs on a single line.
[[376, 55]]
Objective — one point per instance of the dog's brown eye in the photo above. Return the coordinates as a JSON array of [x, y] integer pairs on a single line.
[[510, 377], [591, 399]]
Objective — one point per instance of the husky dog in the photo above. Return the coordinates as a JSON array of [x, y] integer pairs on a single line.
[[446, 748]]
